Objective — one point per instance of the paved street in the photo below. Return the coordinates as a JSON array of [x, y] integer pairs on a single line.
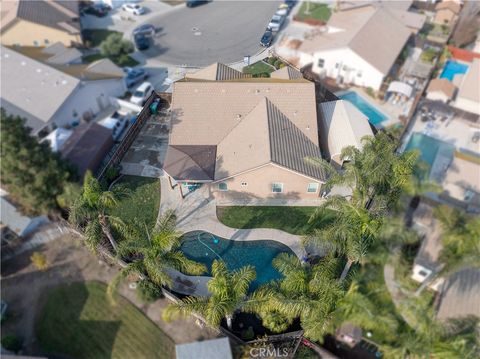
[[222, 31]]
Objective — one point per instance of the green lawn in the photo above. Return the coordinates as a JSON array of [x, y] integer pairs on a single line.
[[317, 12], [141, 206], [289, 219], [96, 36], [78, 321], [258, 68]]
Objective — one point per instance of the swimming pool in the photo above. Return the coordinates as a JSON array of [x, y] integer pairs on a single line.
[[453, 68], [204, 247], [429, 148], [374, 116]]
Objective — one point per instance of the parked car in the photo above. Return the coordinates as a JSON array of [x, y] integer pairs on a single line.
[[141, 41], [142, 93], [193, 3], [135, 9], [276, 23], [134, 75], [98, 10], [283, 10], [145, 29], [290, 3], [267, 38], [117, 123]]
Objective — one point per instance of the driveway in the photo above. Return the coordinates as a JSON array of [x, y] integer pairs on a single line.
[[220, 31]]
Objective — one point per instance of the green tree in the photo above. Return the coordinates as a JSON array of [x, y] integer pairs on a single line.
[[115, 46], [32, 174], [350, 234], [154, 255], [306, 292], [89, 212], [228, 294]]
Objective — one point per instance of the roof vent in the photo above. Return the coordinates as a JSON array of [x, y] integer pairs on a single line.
[[308, 128], [239, 116], [7, 56], [223, 90], [196, 90], [295, 113], [257, 91], [39, 70], [23, 63], [64, 82]]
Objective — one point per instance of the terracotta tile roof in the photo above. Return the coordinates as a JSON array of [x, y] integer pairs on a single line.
[[286, 73], [448, 5], [442, 85], [462, 54], [217, 72]]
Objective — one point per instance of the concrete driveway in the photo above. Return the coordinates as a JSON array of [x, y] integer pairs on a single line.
[[220, 31]]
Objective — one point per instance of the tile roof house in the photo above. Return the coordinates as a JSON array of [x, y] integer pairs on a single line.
[[468, 96], [446, 12], [40, 22], [245, 136], [51, 95], [441, 90], [358, 46]]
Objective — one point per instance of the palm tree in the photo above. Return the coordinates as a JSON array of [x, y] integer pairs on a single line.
[[153, 255], [306, 292], [350, 233], [90, 212], [228, 294]]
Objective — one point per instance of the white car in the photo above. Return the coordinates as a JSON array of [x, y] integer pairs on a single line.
[[142, 93], [276, 23], [135, 9], [282, 10]]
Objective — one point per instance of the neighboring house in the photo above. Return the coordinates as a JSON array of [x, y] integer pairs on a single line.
[[343, 125], [441, 90], [461, 184], [15, 221], [87, 146], [468, 96], [446, 12], [51, 96], [40, 23], [206, 349], [358, 46], [246, 138], [59, 54], [459, 295]]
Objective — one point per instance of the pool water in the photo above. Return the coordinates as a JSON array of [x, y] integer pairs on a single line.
[[204, 247], [429, 148], [374, 116], [453, 68]]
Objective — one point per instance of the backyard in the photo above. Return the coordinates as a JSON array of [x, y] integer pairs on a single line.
[[79, 321], [289, 219], [259, 69], [142, 203], [313, 11]]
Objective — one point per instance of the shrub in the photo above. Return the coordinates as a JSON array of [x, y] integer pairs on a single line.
[[271, 60], [112, 173], [115, 46], [39, 260], [148, 291], [12, 342], [277, 64], [248, 334], [370, 92], [281, 66]]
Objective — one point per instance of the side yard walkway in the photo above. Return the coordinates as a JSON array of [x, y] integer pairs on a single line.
[[198, 212]]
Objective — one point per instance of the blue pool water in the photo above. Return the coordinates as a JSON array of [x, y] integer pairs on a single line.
[[453, 68], [203, 247], [374, 116], [429, 147]]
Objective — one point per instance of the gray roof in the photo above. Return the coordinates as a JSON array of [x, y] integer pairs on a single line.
[[12, 218], [191, 162], [289, 146], [32, 89], [87, 146], [62, 55], [207, 349], [460, 295], [62, 15]]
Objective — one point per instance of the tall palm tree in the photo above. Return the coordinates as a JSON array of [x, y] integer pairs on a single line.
[[90, 212], [306, 292], [153, 255], [350, 234], [228, 293]]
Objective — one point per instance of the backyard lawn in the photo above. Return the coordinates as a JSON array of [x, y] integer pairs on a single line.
[[141, 206], [316, 12], [78, 321], [289, 219], [258, 68]]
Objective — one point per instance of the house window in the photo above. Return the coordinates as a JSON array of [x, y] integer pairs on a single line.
[[359, 74], [35, 43], [321, 62], [244, 184], [422, 273], [277, 187], [222, 186], [47, 41], [312, 187]]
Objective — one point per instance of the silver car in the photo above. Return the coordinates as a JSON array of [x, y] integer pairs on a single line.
[[276, 23]]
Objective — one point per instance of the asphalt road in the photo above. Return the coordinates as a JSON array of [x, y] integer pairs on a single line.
[[220, 31]]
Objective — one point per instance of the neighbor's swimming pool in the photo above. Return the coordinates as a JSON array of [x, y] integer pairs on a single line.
[[374, 116], [453, 68], [204, 247], [429, 148]]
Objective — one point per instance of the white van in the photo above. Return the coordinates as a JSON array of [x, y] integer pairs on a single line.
[[141, 94]]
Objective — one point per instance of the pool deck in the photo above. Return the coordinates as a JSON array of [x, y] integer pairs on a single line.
[[197, 211]]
